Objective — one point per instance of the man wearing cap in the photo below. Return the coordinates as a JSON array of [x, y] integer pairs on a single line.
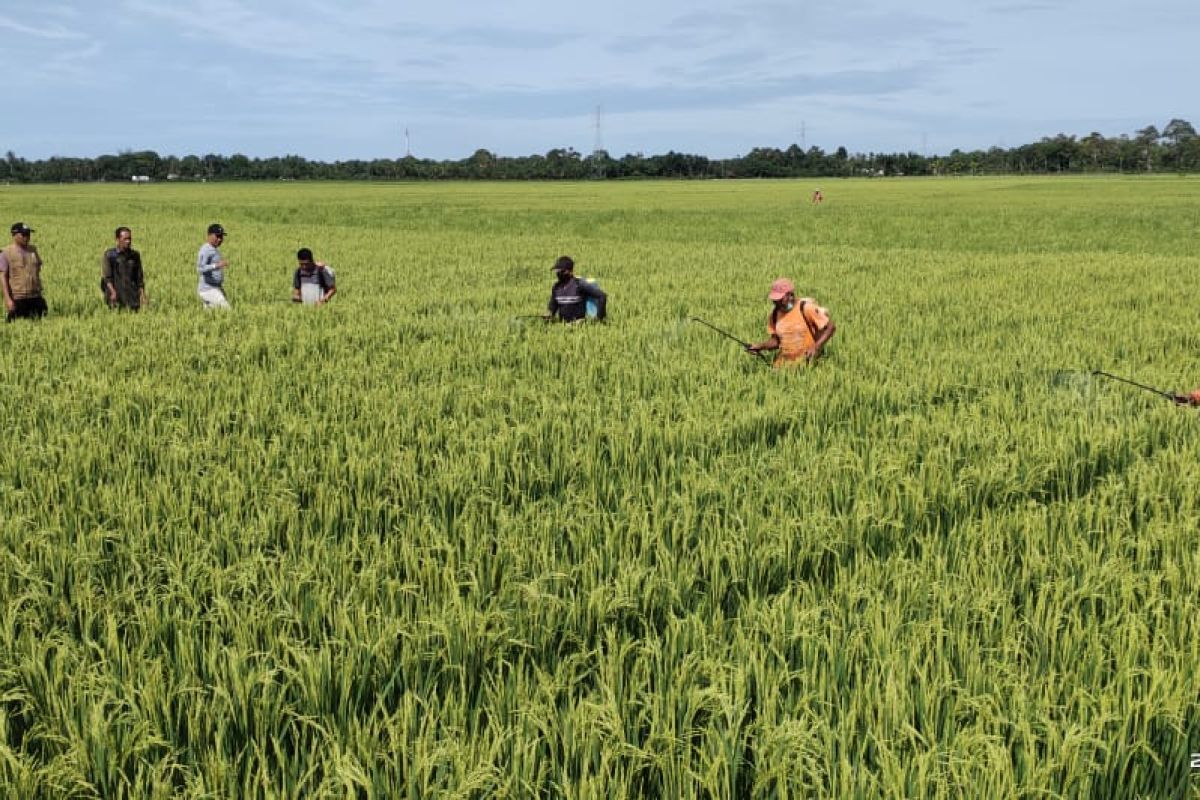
[[121, 277], [798, 329], [211, 267], [313, 282], [21, 276], [569, 295]]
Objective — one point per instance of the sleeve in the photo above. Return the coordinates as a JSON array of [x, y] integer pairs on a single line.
[[139, 275], [3, 262], [208, 268], [327, 279], [771, 324], [597, 294], [296, 279], [552, 307], [105, 268]]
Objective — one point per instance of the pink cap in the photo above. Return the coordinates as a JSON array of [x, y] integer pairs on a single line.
[[780, 289]]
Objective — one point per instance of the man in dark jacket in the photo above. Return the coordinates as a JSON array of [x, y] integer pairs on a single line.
[[121, 277], [570, 296]]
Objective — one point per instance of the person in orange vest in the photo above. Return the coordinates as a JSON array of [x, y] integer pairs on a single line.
[[798, 328], [21, 276]]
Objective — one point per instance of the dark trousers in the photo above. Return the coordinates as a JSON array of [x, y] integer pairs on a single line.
[[28, 308], [132, 304]]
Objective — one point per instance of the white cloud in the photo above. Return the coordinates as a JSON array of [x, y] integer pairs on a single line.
[[864, 72], [52, 32]]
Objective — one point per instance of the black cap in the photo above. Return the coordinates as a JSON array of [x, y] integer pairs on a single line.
[[563, 262], [20, 227], [304, 254], [216, 228]]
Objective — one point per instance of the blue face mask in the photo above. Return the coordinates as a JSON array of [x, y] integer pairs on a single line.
[[789, 306]]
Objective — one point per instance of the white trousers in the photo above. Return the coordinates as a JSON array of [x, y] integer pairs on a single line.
[[213, 297]]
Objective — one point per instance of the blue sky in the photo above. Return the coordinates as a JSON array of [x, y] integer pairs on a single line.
[[344, 80]]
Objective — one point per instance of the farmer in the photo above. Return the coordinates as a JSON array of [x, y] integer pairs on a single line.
[[121, 277], [798, 328], [817, 197], [569, 295], [21, 276], [211, 267], [313, 282]]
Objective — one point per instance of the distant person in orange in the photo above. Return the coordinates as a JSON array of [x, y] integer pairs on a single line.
[[798, 327], [1191, 399], [817, 197]]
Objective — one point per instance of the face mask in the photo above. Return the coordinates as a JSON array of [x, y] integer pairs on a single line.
[[789, 306]]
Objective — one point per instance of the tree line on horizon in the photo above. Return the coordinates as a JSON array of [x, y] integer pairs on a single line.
[[1176, 148]]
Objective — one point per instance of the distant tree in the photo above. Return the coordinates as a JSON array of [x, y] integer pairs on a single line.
[[1128, 152], [238, 167], [1059, 152], [1178, 133], [601, 163], [1147, 138], [1093, 148], [214, 166], [190, 167], [1189, 153]]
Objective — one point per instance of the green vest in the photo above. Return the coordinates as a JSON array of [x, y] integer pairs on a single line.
[[24, 272]]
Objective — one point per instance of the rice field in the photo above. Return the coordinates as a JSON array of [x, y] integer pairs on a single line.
[[407, 545]]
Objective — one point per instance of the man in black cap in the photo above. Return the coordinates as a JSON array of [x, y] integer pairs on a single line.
[[211, 266], [21, 276], [121, 277], [570, 296]]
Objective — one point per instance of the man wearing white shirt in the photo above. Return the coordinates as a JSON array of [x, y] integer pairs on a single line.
[[211, 266]]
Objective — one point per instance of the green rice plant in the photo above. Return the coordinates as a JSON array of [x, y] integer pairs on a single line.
[[403, 547]]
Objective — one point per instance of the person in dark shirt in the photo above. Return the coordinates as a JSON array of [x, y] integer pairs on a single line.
[[121, 277], [313, 281], [570, 296]]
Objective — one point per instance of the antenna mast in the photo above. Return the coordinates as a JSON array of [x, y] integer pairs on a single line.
[[598, 144]]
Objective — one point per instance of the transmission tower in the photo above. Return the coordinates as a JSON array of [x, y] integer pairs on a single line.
[[598, 144]]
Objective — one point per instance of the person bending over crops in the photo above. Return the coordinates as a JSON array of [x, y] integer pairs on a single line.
[[21, 276], [1192, 398], [571, 296], [211, 266], [121, 277], [798, 328], [313, 282]]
